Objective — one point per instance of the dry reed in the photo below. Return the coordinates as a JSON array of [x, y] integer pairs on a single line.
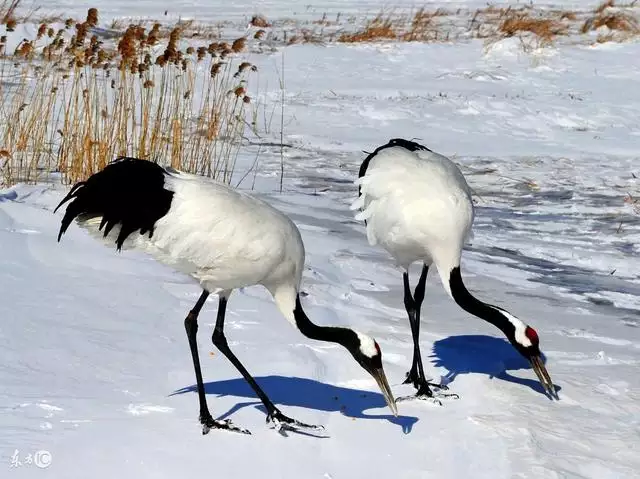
[[73, 105], [379, 28], [545, 29], [8, 11], [534, 26], [614, 20]]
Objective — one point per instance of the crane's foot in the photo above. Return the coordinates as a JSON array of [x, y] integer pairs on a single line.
[[437, 388], [422, 396], [282, 423], [414, 378], [425, 393], [209, 423]]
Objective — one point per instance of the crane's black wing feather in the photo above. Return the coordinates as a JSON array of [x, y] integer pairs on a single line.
[[128, 192]]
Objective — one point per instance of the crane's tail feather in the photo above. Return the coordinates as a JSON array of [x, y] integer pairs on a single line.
[[128, 193], [373, 188], [70, 195], [358, 204]]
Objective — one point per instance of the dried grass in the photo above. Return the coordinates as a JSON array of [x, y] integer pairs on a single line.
[[604, 5], [71, 107], [616, 21], [8, 10], [569, 16], [259, 21], [536, 27], [379, 28], [545, 29], [422, 26], [304, 36]]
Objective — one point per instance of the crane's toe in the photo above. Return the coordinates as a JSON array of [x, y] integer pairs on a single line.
[[437, 387], [209, 423], [425, 393], [422, 385], [420, 397], [282, 423]]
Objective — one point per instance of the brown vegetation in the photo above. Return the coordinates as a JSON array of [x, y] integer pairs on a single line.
[[618, 21], [75, 104], [545, 29], [422, 26], [604, 5], [536, 27], [379, 28], [8, 10], [259, 21]]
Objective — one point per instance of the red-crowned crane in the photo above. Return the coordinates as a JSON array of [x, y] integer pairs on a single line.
[[417, 205], [221, 237]]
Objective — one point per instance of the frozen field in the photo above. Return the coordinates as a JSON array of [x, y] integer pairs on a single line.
[[95, 366]]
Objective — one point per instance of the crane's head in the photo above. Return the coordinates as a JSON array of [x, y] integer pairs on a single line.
[[525, 339], [366, 352], [363, 348]]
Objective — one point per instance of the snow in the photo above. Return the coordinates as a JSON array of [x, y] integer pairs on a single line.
[[242, 10], [95, 366]]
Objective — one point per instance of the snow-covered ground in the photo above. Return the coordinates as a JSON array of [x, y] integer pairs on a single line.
[[95, 366]]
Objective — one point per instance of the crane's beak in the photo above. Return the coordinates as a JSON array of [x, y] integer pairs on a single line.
[[383, 384], [543, 376]]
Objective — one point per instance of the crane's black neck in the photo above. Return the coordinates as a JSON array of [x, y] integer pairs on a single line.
[[472, 305], [344, 336]]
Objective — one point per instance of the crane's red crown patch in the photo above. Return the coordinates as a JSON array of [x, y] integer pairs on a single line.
[[532, 335]]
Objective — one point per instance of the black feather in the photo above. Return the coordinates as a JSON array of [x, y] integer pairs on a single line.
[[128, 192]]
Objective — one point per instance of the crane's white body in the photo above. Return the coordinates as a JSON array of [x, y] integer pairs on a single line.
[[223, 238], [417, 206]]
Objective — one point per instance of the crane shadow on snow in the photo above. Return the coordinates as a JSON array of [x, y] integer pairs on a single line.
[[481, 354], [307, 393]]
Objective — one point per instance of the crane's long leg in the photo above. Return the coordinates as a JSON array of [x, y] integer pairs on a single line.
[[274, 415], [191, 326], [413, 305]]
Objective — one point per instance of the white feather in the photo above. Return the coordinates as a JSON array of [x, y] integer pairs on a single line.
[[367, 345], [417, 206], [519, 326], [223, 238]]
